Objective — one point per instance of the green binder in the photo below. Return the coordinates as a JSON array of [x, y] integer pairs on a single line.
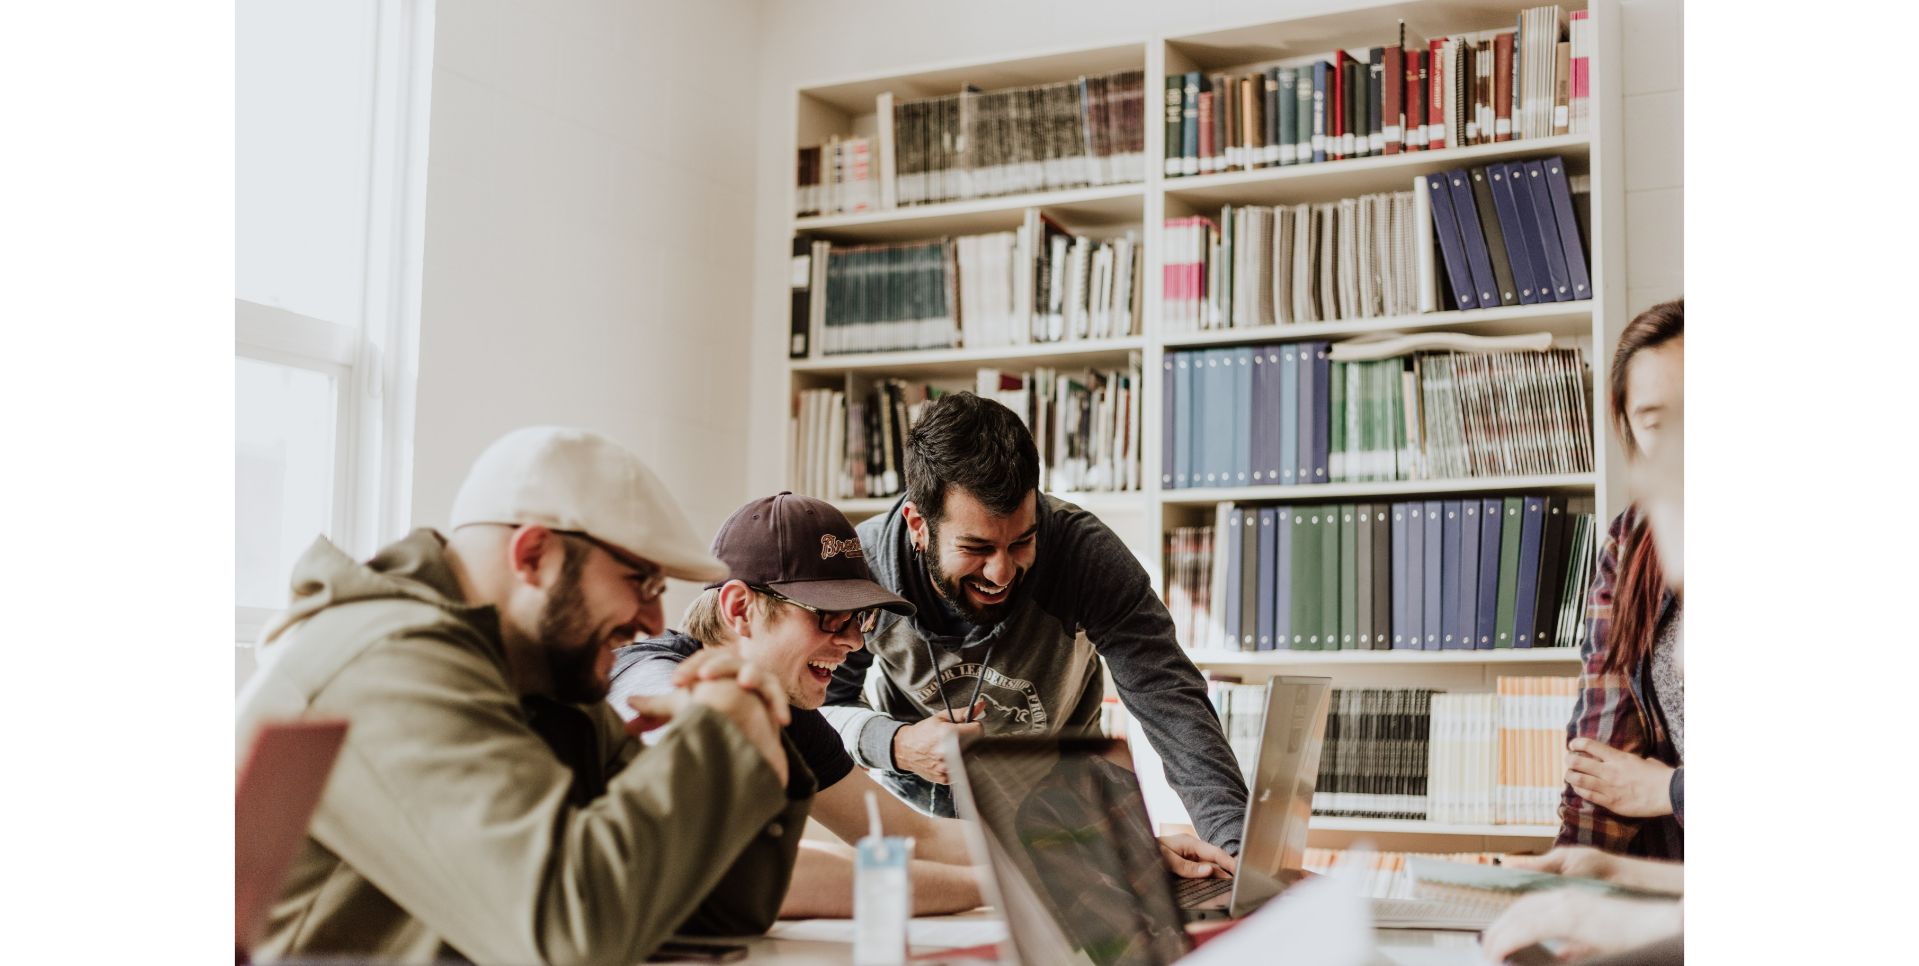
[[1305, 609], [1348, 576], [1508, 570], [1329, 577]]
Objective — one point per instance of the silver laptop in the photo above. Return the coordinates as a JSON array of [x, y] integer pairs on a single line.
[[1279, 806]]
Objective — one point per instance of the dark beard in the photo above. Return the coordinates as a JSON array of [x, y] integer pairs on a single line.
[[956, 595], [566, 637]]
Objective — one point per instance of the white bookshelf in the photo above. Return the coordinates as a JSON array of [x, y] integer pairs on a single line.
[[1143, 518]]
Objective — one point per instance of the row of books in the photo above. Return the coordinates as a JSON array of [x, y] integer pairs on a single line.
[[1085, 424], [982, 144], [840, 175], [1477, 573], [1350, 259], [1494, 758], [1042, 283], [849, 442], [1508, 234], [996, 289], [1500, 757], [1289, 414], [1385, 872], [1454, 91]]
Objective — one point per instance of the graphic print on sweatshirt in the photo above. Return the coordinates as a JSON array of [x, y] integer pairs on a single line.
[[1013, 703]]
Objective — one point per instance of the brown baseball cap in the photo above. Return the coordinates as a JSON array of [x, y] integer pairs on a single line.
[[803, 549]]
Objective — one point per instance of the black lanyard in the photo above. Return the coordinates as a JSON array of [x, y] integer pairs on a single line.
[[940, 686]]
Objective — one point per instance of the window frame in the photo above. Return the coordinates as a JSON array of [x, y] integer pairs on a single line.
[[374, 359]]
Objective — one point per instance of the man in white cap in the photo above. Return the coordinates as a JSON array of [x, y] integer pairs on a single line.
[[488, 805]]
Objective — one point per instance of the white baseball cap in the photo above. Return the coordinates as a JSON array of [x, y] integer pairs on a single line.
[[574, 479]]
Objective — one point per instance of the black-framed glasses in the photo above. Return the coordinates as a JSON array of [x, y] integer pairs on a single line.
[[652, 582], [830, 621]]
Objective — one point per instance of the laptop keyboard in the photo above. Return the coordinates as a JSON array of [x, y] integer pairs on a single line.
[[1188, 892]]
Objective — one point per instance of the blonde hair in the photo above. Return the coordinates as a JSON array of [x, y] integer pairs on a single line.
[[703, 621]]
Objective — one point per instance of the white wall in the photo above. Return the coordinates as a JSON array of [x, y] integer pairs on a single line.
[[589, 210], [828, 39]]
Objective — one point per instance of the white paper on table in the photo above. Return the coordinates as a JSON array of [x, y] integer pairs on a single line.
[[1322, 920], [937, 932]]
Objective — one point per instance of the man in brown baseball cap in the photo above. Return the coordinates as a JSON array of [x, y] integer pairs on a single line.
[[798, 601], [487, 805]]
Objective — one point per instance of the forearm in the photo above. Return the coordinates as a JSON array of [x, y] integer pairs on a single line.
[[1652, 875], [823, 885]]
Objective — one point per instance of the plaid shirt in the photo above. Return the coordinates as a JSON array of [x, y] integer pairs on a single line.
[[1620, 710]]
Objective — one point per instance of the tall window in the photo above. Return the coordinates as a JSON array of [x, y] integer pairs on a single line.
[[330, 144]]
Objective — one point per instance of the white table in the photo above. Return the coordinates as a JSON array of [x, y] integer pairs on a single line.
[[828, 942]]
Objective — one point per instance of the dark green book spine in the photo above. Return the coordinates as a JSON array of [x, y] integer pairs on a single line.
[[1329, 577], [1508, 570], [1348, 577], [1306, 578]]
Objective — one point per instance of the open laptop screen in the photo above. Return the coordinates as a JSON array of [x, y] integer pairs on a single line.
[[1067, 815]]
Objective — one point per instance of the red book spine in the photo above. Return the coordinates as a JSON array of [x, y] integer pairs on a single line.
[[1415, 100], [1392, 109], [1503, 86], [1436, 95], [1206, 132]]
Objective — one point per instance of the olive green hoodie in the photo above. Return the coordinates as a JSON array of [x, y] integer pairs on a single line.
[[449, 827]]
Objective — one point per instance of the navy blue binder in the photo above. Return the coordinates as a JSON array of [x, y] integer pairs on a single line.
[[1529, 231], [1397, 522], [1532, 526], [1569, 241], [1322, 411], [1182, 442], [1168, 412], [1516, 253], [1235, 540], [1452, 251], [1242, 438], [1468, 632], [1415, 575], [1562, 286], [1432, 573], [1450, 521], [1473, 238], [1249, 581], [1489, 535], [1288, 415]]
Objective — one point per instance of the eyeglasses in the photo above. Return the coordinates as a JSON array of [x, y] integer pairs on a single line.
[[652, 582], [830, 621]]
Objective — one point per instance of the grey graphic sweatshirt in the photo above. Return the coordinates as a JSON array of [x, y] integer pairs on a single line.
[[1085, 599]]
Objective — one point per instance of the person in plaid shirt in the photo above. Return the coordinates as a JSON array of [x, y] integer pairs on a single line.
[[1625, 783]]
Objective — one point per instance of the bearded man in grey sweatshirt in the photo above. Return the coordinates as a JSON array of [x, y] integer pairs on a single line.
[[1019, 597]]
